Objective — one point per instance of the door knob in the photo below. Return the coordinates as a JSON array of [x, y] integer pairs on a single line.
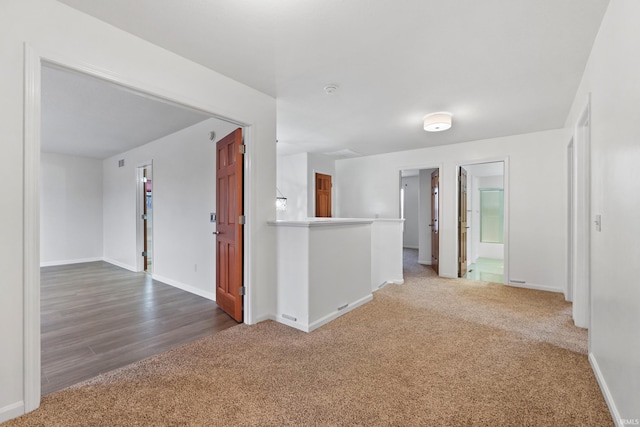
[[216, 232]]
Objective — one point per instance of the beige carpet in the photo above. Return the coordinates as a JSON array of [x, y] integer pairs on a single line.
[[431, 352]]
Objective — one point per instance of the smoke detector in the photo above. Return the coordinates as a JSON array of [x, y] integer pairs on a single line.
[[329, 89]]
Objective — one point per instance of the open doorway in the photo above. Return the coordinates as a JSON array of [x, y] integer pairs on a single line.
[[481, 222], [420, 207], [98, 238], [145, 223]]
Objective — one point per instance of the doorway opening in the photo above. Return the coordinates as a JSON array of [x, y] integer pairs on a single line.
[[67, 359], [420, 209], [145, 223], [481, 222]]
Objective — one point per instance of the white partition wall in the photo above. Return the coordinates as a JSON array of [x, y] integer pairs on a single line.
[[611, 82], [386, 252], [324, 270], [46, 30]]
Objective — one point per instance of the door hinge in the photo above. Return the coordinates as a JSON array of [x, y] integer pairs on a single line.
[[241, 290], [241, 220], [144, 253], [242, 148], [143, 216]]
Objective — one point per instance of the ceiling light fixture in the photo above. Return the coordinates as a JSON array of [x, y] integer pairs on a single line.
[[437, 122]]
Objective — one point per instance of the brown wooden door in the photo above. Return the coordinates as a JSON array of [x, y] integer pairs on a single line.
[[462, 223], [229, 255], [323, 195], [435, 210]]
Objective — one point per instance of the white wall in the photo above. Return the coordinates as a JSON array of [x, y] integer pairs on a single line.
[[369, 186], [612, 79], [292, 183], [386, 252], [70, 209], [184, 194], [410, 235], [297, 182], [66, 36]]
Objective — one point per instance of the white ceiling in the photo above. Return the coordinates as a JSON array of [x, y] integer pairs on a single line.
[[88, 117], [502, 67]]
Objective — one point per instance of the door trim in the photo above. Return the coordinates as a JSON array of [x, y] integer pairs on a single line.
[[33, 61], [582, 218], [440, 168], [462, 263], [311, 205], [315, 194], [571, 222]]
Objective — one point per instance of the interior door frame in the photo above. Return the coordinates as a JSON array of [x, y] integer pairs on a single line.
[[315, 193], [440, 168], [311, 204], [33, 62], [581, 220], [435, 222], [506, 193], [571, 220], [460, 212]]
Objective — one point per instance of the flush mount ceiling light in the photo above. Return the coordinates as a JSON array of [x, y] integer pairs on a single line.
[[437, 122]]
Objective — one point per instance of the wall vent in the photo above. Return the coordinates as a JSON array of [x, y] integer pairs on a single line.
[[121, 163]]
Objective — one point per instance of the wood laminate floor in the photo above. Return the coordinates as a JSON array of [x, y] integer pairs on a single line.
[[96, 317]]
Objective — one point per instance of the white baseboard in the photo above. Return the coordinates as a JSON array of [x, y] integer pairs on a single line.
[[334, 315], [263, 318], [69, 261], [424, 262], [292, 323], [410, 247], [305, 327], [191, 289], [120, 264], [393, 282], [11, 411], [388, 282], [605, 390], [535, 287]]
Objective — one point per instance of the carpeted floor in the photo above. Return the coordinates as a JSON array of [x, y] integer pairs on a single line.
[[431, 352]]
